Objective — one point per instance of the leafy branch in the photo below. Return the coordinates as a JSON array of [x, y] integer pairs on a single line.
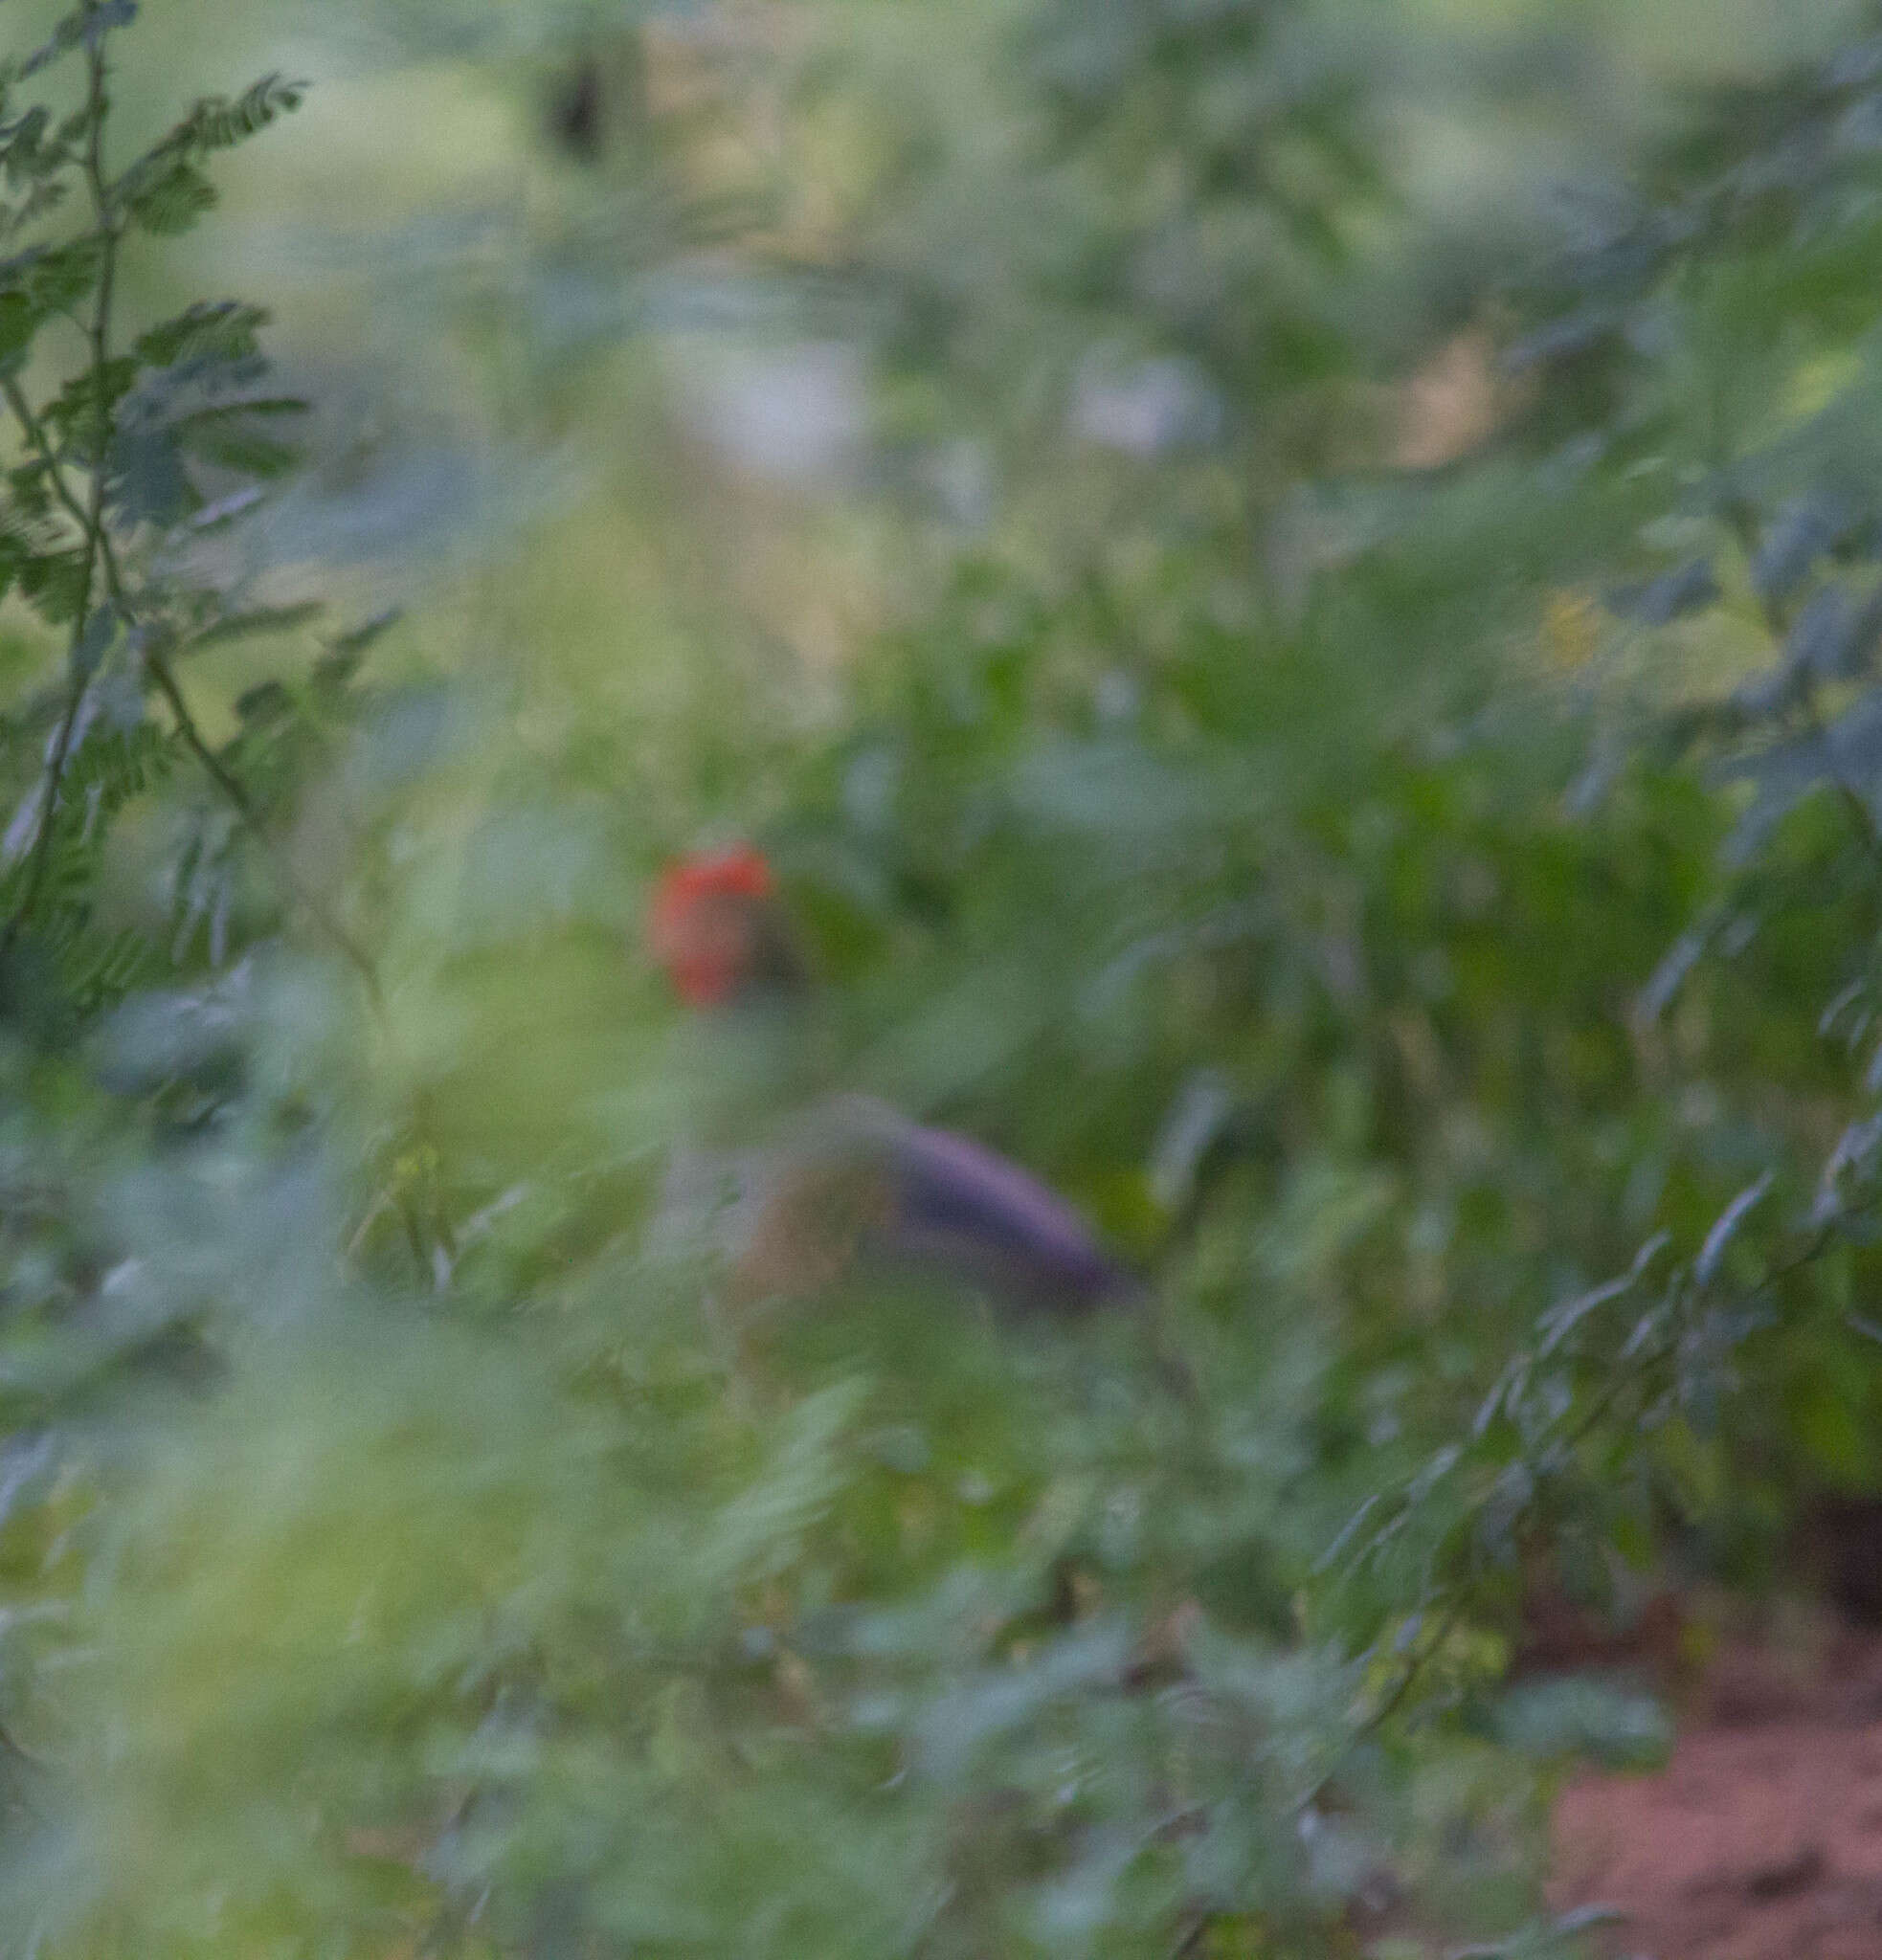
[[1673, 1354], [90, 516], [209, 348], [137, 449]]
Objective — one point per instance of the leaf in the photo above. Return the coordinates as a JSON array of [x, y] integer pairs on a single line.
[[233, 435], [341, 661], [1561, 1320], [1202, 1110], [20, 147], [1726, 1228], [1854, 1153], [1854, 742], [173, 200], [1503, 1394], [52, 279], [29, 160], [226, 509], [163, 191], [19, 322], [1846, 755], [15, 556], [147, 482], [261, 705], [1834, 637], [218, 123], [258, 620], [1654, 603], [55, 582], [1584, 1715], [224, 330], [1346, 1535], [43, 197], [1800, 534], [757, 1530], [1675, 965], [990, 1706], [358, 639], [1561, 340], [1768, 694]]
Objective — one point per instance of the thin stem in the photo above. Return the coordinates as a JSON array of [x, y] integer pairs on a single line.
[[233, 789]]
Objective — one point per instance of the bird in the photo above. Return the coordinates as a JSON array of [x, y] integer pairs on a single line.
[[849, 1183]]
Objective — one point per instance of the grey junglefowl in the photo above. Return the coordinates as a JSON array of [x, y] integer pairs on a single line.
[[849, 1180]]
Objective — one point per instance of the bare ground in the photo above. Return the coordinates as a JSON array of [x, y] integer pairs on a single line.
[[1762, 1838]]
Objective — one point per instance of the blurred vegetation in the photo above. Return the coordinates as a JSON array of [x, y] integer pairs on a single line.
[[1293, 596]]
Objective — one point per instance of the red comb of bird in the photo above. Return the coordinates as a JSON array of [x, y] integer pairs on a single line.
[[701, 923], [737, 872]]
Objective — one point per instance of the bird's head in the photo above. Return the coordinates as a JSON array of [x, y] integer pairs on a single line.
[[718, 929]]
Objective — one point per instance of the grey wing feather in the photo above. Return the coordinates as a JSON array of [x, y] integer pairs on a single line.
[[963, 1208]]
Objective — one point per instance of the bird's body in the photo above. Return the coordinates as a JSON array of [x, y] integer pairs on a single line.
[[850, 1182], [852, 1185]]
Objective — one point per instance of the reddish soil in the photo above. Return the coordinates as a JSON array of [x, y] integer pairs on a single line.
[[1762, 1838]]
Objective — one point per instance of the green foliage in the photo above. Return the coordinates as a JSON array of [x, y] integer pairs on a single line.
[[1426, 915]]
